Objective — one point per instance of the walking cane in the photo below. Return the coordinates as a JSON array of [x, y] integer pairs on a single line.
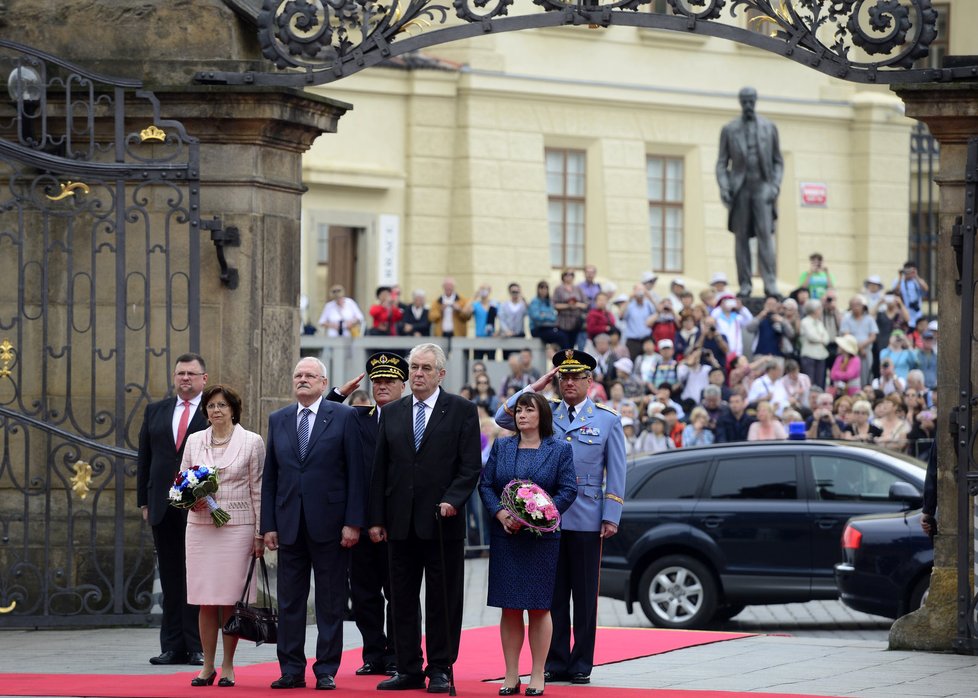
[[444, 595]]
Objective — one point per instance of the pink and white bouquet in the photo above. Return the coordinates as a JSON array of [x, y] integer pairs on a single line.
[[531, 506], [194, 484]]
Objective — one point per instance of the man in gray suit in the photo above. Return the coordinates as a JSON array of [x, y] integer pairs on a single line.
[[749, 170]]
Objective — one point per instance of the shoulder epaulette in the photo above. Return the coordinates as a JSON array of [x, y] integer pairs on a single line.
[[555, 400], [601, 405]]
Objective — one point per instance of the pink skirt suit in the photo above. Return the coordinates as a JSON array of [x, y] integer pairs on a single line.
[[218, 558]]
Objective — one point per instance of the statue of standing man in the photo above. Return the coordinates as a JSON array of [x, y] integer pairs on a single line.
[[749, 170]]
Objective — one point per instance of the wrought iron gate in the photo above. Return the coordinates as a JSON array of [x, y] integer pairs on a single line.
[[99, 291]]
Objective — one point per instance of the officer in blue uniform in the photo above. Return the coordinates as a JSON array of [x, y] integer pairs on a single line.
[[596, 437]]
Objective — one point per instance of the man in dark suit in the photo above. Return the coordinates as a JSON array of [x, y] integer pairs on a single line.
[[312, 511], [749, 170], [166, 426], [427, 464], [369, 569]]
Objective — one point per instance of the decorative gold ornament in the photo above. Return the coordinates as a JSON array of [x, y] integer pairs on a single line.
[[8, 609], [152, 134], [7, 356], [69, 189], [82, 479]]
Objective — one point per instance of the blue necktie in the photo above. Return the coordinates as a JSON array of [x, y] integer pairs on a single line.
[[570, 414], [419, 426], [304, 432]]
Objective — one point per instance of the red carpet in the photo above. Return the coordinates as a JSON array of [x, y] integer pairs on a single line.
[[480, 659]]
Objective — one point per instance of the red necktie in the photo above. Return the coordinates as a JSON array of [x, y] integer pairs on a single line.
[[182, 427]]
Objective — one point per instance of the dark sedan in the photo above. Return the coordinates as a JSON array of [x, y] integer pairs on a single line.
[[886, 564], [707, 531]]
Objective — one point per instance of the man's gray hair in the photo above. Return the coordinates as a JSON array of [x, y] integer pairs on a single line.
[[440, 359], [811, 305], [322, 366], [712, 391]]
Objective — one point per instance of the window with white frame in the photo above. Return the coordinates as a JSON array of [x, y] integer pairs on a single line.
[[664, 182], [566, 206]]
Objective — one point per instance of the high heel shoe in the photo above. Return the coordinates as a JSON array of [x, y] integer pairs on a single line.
[[225, 682], [534, 691], [510, 690], [208, 681]]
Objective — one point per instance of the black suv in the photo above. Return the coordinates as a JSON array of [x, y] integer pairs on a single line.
[[707, 531]]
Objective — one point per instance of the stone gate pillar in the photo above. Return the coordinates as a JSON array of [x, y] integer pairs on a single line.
[[951, 113]]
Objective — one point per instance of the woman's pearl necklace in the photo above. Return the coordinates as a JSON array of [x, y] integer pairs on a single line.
[[215, 442]]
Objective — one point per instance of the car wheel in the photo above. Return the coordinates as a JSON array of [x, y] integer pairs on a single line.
[[678, 591], [727, 611], [919, 594]]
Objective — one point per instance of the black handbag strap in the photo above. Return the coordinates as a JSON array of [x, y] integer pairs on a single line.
[[264, 574]]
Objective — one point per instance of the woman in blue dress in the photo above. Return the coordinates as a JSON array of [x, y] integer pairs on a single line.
[[523, 565]]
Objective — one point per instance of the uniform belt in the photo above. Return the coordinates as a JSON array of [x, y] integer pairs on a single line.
[[589, 480]]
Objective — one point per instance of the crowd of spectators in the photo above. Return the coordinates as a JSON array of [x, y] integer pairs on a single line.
[[684, 369]]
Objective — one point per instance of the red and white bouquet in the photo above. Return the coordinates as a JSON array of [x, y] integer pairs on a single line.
[[194, 484], [531, 506]]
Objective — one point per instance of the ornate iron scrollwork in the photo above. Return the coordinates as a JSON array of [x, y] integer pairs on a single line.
[[857, 40]]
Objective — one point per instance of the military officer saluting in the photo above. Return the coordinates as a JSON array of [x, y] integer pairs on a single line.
[[596, 437]]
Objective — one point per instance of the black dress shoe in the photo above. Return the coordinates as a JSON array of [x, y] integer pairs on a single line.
[[205, 681], [534, 691], [390, 669], [438, 682], [325, 683], [195, 658], [289, 681], [551, 676], [510, 690], [402, 682], [225, 682], [580, 677], [169, 657], [372, 669]]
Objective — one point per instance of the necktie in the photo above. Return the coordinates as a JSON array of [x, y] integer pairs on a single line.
[[304, 433], [570, 414], [184, 421], [418, 426]]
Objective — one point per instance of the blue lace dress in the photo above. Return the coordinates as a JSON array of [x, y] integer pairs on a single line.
[[523, 566]]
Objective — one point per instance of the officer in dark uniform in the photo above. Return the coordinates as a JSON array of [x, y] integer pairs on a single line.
[[596, 437], [369, 573]]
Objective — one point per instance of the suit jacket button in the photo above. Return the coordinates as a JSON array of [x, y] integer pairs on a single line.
[[568, 438]]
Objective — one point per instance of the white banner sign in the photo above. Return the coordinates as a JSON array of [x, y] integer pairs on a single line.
[[388, 248]]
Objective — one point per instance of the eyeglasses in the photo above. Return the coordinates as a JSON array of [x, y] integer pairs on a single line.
[[564, 377], [187, 374], [336, 291], [217, 406]]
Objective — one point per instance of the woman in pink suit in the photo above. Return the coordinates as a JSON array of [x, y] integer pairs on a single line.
[[218, 558]]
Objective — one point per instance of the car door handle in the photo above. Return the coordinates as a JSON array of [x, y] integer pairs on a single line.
[[712, 521], [826, 524]]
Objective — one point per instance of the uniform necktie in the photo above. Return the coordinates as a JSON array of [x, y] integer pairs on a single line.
[[570, 414], [419, 426], [304, 433], [184, 421]]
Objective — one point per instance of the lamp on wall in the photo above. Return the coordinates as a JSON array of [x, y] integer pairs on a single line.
[[25, 87]]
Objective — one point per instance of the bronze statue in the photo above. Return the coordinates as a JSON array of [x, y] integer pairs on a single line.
[[749, 170]]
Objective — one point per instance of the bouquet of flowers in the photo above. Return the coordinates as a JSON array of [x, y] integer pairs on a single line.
[[194, 484], [531, 506]]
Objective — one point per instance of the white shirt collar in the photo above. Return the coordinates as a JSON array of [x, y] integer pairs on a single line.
[[430, 402], [314, 407]]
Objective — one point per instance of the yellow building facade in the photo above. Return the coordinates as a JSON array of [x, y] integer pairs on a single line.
[[442, 169]]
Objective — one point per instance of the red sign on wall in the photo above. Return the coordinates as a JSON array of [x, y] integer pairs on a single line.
[[814, 194]]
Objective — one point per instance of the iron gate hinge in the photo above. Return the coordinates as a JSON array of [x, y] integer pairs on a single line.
[[224, 237]]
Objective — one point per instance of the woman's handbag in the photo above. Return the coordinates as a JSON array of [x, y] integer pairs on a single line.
[[257, 623]]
